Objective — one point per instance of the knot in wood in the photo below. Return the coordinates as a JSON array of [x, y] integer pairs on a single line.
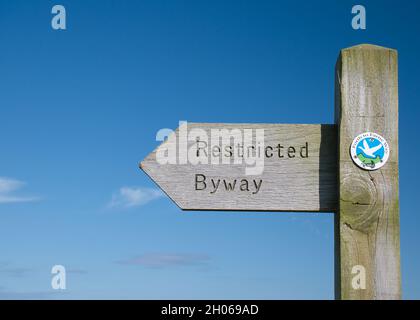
[[358, 196]]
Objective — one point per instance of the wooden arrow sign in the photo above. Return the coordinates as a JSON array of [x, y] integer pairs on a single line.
[[254, 167]]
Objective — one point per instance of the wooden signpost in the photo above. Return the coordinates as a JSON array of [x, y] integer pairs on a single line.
[[305, 167]]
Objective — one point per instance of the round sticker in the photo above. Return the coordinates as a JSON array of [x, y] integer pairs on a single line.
[[369, 151]]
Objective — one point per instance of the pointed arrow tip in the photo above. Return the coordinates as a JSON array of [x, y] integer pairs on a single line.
[[141, 165]]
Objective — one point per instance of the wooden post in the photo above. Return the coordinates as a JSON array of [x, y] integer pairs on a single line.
[[367, 221]]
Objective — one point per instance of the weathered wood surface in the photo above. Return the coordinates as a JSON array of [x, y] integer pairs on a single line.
[[367, 224], [286, 184]]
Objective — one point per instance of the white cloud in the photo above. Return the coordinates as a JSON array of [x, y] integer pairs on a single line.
[[128, 197], [7, 189]]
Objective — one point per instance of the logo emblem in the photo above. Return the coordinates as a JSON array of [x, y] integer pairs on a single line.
[[369, 151]]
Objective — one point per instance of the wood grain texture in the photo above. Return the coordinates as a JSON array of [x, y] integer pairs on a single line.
[[288, 184], [367, 224]]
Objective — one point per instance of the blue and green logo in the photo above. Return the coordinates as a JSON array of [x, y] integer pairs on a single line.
[[369, 151]]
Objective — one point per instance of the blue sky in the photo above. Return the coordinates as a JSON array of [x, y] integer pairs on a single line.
[[80, 108]]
